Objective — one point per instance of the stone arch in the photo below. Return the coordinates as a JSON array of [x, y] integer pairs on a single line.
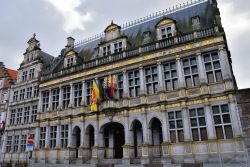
[[76, 137], [90, 136], [136, 137]]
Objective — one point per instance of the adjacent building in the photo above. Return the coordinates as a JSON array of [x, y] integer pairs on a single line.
[[7, 78], [23, 103], [175, 99]]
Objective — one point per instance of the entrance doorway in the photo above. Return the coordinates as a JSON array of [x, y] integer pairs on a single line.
[[114, 137], [76, 139], [137, 138]]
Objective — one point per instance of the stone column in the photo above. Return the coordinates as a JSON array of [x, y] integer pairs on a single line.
[[47, 137], [71, 103], [50, 100], [225, 66], [4, 142], [160, 77], [181, 80], [37, 138], [70, 136], [125, 85], [83, 135], [58, 132], [142, 81], [186, 122], [83, 93], [126, 147], [209, 120], [39, 108], [60, 97], [235, 118], [145, 146], [201, 70]]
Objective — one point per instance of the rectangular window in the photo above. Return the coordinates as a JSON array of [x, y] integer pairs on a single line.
[[55, 98], [29, 92], [170, 75], [191, 72], [106, 50], [25, 75], [42, 137], [166, 32], [134, 83], [70, 61], [16, 143], [176, 126], [36, 91], [213, 68], [88, 92], [222, 122], [66, 96], [151, 77], [23, 143], [77, 94], [15, 97], [45, 102], [120, 86], [118, 47], [64, 135], [8, 143], [12, 117], [34, 114], [19, 116], [52, 141], [198, 124], [32, 73], [22, 94], [26, 114]]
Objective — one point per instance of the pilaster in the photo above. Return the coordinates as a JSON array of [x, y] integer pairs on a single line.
[[160, 77], [142, 80], [209, 120]]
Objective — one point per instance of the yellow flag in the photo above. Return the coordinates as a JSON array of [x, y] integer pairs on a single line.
[[95, 95]]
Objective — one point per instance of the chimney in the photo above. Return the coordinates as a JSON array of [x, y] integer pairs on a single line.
[[71, 42]]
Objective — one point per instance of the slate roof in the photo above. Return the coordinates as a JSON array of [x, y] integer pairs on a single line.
[[206, 10]]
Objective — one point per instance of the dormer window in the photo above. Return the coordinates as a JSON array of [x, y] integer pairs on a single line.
[[166, 32], [106, 50], [196, 22], [118, 47], [70, 61]]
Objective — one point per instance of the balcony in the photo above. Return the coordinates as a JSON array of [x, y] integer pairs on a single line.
[[155, 46]]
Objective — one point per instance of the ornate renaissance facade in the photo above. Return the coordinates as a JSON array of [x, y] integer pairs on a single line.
[[174, 98]]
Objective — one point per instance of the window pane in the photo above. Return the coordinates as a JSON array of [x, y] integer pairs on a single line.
[[196, 80], [173, 137], [219, 132], [202, 122], [171, 115], [208, 66], [178, 114], [229, 132], [203, 134], [226, 118], [193, 61], [195, 135], [179, 124], [194, 69], [172, 125], [201, 111], [218, 76], [224, 108], [193, 122], [217, 120], [186, 71], [216, 65], [188, 82], [175, 84], [181, 136], [206, 58], [192, 113], [216, 109]]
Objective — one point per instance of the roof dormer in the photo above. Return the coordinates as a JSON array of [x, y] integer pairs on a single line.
[[33, 43], [112, 32], [166, 28]]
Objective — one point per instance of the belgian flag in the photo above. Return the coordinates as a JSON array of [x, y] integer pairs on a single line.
[[95, 96]]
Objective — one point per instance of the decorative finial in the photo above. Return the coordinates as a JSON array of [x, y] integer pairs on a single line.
[[112, 22], [34, 35]]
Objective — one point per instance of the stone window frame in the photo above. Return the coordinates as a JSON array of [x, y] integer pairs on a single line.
[[12, 116], [212, 67], [29, 92], [133, 78], [55, 93], [9, 144], [42, 137], [66, 96], [36, 90], [172, 78], [198, 116], [106, 50], [15, 96], [77, 91], [34, 113], [64, 135], [26, 114], [70, 61], [32, 73], [45, 100], [24, 76], [22, 94], [52, 136], [120, 85], [188, 67], [178, 132], [19, 116], [89, 86], [118, 46], [151, 77], [16, 143], [220, 124], [23, 143]]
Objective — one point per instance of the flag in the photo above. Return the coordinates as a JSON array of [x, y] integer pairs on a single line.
[[95, 96], [111, 87]]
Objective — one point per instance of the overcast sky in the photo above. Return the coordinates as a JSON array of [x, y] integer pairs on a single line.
[[54, 20]]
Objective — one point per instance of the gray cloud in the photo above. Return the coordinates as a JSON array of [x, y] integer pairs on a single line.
[[20, 19]]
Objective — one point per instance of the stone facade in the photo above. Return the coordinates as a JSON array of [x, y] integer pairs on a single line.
[[174, 102], [22, 110]]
